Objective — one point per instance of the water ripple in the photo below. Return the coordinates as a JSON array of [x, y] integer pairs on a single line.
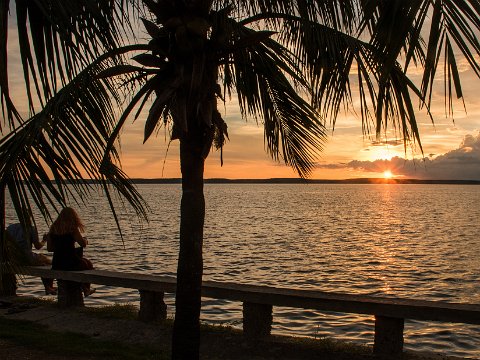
[[412, 241]]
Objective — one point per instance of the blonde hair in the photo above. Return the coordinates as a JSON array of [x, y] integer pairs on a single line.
[[67, 222]]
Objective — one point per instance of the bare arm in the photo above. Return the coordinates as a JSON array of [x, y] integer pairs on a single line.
[[80, 239], [35, 241], [38, 244], [49, 241]]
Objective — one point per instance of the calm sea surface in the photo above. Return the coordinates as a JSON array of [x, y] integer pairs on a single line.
[[411, 241]]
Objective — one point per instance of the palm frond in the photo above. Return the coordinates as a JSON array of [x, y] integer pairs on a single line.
[[397, 28], [326, 55], [262, 74], [394, 105], [331, 58], [68, 137], [333, 13], [56, 41]]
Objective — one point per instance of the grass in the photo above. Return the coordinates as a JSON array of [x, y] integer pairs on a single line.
[[37, 336], [214, 338], [219, 341], [35, 300], [116, 311]]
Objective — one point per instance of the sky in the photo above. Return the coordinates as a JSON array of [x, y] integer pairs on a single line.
[[451, 147]]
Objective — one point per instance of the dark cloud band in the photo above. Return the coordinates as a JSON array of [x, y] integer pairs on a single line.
[[459, 164]]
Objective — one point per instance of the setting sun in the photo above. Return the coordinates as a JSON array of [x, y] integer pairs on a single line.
[[387, 174]]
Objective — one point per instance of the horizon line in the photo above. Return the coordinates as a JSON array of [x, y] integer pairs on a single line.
[[294, 180]]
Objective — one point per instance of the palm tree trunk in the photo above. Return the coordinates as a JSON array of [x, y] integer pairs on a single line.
[[186, 329], [8, 282]]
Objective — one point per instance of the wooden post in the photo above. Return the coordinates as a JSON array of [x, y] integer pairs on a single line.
[[152, 306], [257, 320], [388, 336], [69, 293]]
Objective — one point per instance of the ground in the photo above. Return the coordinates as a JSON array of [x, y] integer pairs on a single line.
[[217, 342]]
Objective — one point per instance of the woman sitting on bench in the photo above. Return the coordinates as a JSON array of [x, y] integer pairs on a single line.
[[64, 233]]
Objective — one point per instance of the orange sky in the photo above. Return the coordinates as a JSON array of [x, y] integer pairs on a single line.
[[347, 154], [244, 155]]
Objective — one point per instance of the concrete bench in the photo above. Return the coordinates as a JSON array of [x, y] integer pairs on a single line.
[[258, 301], [152, 288]]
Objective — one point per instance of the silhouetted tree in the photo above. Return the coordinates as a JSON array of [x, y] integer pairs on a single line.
[[291, 64]]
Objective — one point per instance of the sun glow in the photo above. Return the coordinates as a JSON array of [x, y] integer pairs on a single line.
[[387, 174]]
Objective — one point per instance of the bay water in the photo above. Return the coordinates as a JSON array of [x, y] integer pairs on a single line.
[[409, 241]]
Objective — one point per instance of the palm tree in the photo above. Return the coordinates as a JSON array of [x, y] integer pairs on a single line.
[[292, 65]]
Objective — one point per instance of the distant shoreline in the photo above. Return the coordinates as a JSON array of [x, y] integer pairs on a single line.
[[311, 181]]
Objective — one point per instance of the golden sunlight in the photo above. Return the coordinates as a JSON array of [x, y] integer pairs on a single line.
[[387, 174]]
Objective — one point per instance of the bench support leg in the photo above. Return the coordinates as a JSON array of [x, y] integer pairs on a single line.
[[257, 320], [388, 336], [69, 293], [152, 306]]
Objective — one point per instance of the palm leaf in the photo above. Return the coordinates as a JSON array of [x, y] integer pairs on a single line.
[[56, 40], [332, 13], [293, 129], [397, 28], [69, 137]]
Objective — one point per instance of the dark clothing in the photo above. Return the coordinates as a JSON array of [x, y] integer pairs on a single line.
[[28, 256], [65, 257], [23, 241]]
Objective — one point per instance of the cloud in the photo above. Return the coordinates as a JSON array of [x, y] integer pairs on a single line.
[[395, 142], [462, 163]]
